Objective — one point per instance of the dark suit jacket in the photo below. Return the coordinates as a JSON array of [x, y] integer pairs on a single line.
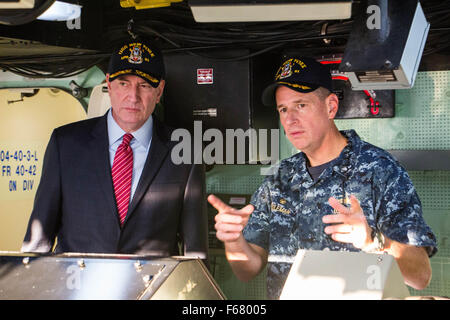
[[75, 200]]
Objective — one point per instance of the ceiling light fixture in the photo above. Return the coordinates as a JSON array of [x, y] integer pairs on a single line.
[[269, 10]]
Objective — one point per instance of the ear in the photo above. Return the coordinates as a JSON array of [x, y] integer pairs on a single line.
[[107, 82], [332, 102]]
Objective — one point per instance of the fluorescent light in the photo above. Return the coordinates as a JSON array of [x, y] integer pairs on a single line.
[[19, 4], [61, 11], [254, 11]]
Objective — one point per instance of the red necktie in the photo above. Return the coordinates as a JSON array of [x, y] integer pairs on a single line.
[[122, 172]]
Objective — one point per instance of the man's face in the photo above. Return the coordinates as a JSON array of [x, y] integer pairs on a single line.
[[305, 117], [133, 100]]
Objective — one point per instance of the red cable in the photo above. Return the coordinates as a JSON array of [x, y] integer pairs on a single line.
[[340, 78], [331, 62], [374, 110]]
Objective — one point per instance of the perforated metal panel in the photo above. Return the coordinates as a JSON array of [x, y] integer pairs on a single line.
[[422, 117], [232, 287], [236, 179], [440, 282]]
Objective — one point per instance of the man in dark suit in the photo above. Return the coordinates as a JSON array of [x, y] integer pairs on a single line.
[[108, 184]]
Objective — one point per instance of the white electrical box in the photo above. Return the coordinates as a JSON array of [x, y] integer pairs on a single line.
[[387, 58]]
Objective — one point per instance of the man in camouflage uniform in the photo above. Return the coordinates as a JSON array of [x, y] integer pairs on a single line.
[[340, 193]]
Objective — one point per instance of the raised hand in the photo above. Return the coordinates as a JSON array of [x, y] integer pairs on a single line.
[[351, 224], [229, 221]]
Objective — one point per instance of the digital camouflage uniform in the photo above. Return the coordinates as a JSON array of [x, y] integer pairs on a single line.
[[289, 206]]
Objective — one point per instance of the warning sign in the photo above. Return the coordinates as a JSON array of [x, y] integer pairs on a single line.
[[205, 76]]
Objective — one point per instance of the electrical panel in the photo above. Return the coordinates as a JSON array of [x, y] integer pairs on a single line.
[[220, 91], [353, 104]]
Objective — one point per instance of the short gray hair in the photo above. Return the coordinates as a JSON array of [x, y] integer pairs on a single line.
[[322, 93]]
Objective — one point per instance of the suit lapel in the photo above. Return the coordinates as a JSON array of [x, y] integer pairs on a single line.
[[99, 148], [156, 155]]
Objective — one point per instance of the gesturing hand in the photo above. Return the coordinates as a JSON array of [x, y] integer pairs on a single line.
[[229, 221], [352, 225]]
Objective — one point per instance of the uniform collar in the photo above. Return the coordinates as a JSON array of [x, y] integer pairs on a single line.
[[343, 165], [347, 159]]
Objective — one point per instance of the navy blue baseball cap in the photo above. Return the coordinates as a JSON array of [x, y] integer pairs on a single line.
[[137, 58], [301, 74]]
